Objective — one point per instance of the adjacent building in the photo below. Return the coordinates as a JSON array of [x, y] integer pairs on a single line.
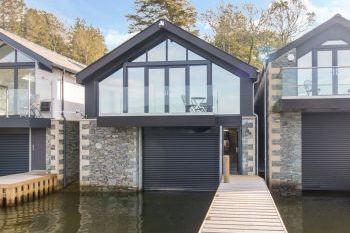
[[304, 108], [40, 105], [162, 109]]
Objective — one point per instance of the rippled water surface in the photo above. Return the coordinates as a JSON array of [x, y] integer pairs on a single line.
[[149, 212], [316, 213]]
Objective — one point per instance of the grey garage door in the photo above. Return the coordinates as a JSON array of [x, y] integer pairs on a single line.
[[326, 151], [180, 159], [14, 151]]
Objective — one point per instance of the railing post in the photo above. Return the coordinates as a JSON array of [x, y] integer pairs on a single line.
[[226, 168], [7, 103]]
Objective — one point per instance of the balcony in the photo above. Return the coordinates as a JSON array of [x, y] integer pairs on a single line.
[[316, 81], [316, 88], [19, 102]]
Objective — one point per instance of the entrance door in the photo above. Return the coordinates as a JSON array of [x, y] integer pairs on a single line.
[[231, 149], [38, 149]]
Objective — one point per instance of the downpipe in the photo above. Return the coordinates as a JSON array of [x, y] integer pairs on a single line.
[[64, 131], [256, 133]]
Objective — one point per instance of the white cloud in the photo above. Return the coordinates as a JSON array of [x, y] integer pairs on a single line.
[[114, 38], [329, 9]]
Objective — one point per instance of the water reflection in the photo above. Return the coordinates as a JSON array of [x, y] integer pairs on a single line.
[[109, 212], [316, 212]]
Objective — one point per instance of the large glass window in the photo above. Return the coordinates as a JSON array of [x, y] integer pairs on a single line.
[[7, 54], [198, 88], [176, 52], [6, 84], [156, 88], [177, 90], [324, 73], [226, 91], [111, 94], [136, 90], [158, 53], [304, 85], [159, 85], [343, 72]]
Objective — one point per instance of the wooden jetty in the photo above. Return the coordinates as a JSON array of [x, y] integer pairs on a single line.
[[19, 188], [244, 205]]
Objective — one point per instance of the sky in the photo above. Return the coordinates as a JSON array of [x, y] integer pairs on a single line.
[[109, 15]]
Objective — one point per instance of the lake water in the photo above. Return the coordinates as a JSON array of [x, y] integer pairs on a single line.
[[150, 212], [316, 213], [161, 212]]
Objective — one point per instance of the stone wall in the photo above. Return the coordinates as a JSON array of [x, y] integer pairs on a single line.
[[55, 150], [72, 151], [284, 134], [108, 158], [248, 145]]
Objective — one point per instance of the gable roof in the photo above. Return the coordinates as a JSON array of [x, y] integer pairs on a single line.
[[45, 56], [335, 20], [158, 27]]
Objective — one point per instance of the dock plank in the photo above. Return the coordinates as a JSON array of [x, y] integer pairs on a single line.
[[243, 205]]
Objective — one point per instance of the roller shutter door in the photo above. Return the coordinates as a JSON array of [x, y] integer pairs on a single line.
[[180, 159], [326, 151], [14, 151]]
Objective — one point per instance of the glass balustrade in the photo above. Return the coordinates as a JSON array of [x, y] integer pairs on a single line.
[[315, 81]]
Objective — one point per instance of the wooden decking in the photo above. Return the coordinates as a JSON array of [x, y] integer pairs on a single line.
[[244, 205], [18, 188]]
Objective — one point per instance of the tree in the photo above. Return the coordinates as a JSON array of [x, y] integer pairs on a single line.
[[289, 18], [241, 31], [46, 30], [179, 12], [11, 15], [86, 42]]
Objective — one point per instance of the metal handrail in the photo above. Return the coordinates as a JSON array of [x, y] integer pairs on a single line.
[[314, 67]]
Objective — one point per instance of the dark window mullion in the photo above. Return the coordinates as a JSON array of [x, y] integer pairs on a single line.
[[146, 94], [314, 73], [125, 89], [335, 71], [166, 89], [209, 88], [187, 88]]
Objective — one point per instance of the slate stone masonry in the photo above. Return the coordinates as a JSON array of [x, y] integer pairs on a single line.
[[284, 134], [108, 158], [248, 145], [55, 150]]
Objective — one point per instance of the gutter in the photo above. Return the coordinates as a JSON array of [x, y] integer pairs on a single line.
[[64, 131]]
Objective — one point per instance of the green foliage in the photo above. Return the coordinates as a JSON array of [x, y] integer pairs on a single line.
[[11, 15], [87, 42], [179, 12], [45, 29], [250, 33], [240, 31], [81, 42], [289, 19]]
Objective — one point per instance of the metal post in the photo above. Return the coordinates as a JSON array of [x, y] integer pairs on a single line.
[[7, 103]]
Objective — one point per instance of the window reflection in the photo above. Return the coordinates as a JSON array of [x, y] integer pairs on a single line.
[[343, 72], [226, 91], [136, 91], [194, 56], [198, 88], [158, 53], [7, 53], [324, 73], [304, 85], [111, 93], [177, 90], [176, 52], [156, 89]]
